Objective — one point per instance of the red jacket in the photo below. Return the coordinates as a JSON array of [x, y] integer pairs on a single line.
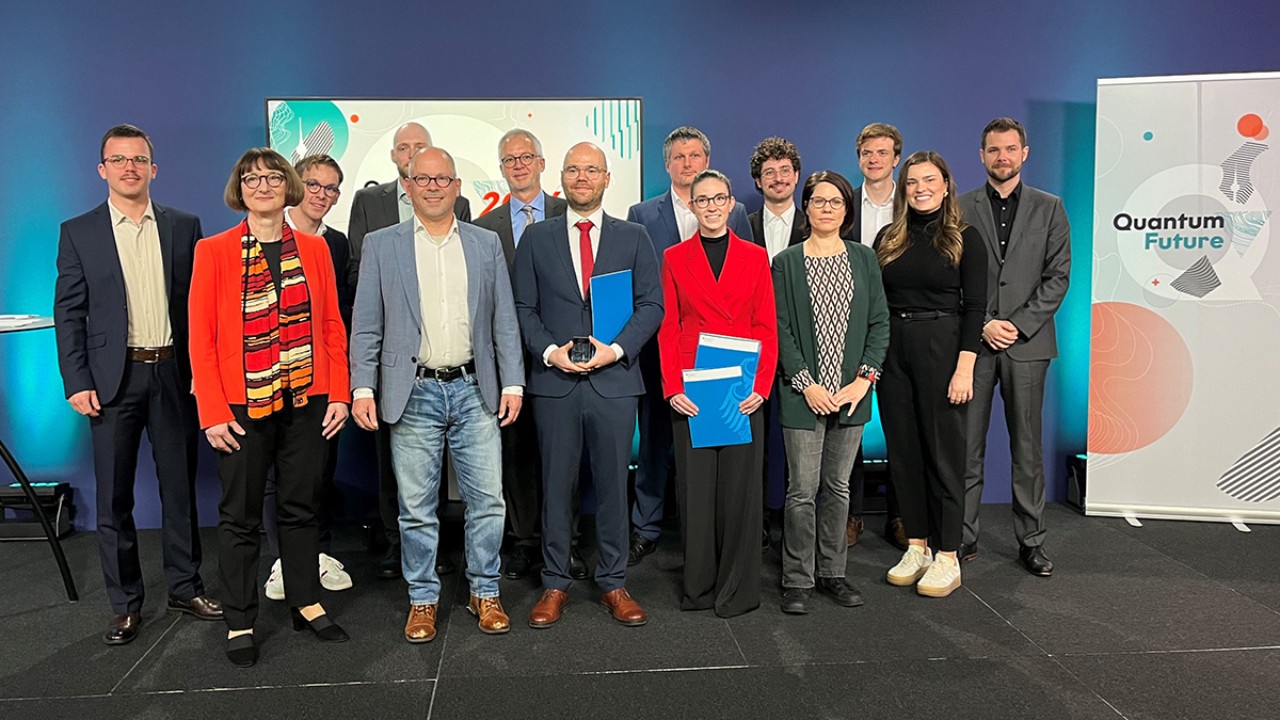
[[739, 304], [217, 325]]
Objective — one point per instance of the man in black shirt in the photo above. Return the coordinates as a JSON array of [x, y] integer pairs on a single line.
[[1028, 241]]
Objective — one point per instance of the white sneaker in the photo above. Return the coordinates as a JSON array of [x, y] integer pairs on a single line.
[[332, 576], [942, 578], [274, 588], [915, 561]]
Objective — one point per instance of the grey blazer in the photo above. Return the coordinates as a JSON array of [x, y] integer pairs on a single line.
[[387, 322], [1027, 285]]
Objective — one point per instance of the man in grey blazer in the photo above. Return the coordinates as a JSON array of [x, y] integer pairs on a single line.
[[1028, 242], [521, 161], [435, 331]]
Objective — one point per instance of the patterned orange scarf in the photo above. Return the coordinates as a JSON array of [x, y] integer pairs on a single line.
[[277, 329]]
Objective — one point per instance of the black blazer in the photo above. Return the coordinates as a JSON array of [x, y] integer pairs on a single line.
[[377, 207], [340, 251], [499, 221], [90, 311], [799, 227], [551, 309]]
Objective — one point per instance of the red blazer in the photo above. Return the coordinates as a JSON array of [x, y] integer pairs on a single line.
[[739, 304], [217, 325]]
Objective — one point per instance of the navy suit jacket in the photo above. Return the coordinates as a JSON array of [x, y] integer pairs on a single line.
[[658, 217], [551, 308], [90, 311]]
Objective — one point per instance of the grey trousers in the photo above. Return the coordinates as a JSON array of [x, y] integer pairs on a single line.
[[1022, 389], [819, 462]]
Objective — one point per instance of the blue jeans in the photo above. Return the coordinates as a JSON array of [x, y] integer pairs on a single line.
[[452, 411]]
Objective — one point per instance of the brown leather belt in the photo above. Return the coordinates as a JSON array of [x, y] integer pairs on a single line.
[[149, 354]]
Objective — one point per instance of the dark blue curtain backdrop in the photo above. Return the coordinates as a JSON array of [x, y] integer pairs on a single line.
[[195, 75]]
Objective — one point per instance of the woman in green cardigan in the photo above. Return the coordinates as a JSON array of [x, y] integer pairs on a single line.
[[833, 329]]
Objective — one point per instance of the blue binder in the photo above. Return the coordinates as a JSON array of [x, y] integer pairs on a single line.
[[611, 305], [717, 393], [718, 351]]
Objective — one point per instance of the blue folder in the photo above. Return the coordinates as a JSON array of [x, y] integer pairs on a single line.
[[611, 305], [718, 351], [717, 393]]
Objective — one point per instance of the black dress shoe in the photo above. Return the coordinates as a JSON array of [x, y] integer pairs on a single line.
[[1035, 561], [795, 601], [577, 566], [445, 566], [324, 628], [522, 562], [389, 568], [242, 651], [205, 608], [840, 591], [968, 551], [123, 629], [640, 546]]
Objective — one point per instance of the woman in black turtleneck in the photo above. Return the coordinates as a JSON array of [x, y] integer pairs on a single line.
[[934, 270], [717, 283]]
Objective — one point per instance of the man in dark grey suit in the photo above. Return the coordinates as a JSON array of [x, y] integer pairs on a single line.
[[435, 332], [374, 208], [1028, 242], [522, 163]]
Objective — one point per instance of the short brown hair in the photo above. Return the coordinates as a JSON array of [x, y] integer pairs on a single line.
[[841, 184], [125, 131], [878, 130], [773, 148], [310, 161], [271, 160], [1003, 124]]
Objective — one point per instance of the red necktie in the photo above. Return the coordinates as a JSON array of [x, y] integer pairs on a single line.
[[584, 247]]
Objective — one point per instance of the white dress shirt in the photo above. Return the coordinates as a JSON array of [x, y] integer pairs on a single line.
[[777, 229], [146, 301], [686, 221], [875, 216]]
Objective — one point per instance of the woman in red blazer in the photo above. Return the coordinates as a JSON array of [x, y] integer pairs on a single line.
[[720, 284], [269, 364]]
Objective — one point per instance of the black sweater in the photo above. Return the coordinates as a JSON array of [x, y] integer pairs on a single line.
[[921, 279], [716, 249]]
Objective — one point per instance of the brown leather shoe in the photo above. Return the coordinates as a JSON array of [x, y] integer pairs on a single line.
[[205, 608], [421, 626], [493, 619], [123, 629], [547, 611], [623, 608], [895, 533], [852, 530]]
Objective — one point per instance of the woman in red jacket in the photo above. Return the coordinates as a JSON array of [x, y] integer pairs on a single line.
[[720, 284], [269, 362]]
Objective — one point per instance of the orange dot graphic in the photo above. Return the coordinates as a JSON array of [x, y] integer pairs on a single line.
[[355, 118], [1262, 134], [1249, 125]]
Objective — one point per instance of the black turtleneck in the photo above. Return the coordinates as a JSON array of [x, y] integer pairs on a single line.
[[921, 279], [716, 248]]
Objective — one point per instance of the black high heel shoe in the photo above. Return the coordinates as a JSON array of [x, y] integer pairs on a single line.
[[242, 651], [324, 628]]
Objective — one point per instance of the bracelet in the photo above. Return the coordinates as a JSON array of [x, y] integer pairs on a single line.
[[870, 373]]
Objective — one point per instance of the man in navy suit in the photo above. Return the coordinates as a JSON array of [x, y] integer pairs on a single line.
[[578, 401], [668, 220], [125, 366]]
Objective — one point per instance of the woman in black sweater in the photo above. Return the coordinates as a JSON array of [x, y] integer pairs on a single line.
[[934, 270]]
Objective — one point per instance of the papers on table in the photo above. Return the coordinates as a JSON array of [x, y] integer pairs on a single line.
[[14, 323], [611, 305]]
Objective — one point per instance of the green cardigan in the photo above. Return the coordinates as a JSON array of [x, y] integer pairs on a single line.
[[865, 341]]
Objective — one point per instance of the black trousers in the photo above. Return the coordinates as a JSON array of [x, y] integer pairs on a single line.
[[330, 506], [720, 516], [858, 491], [522, 479], [290, 443], [152, 396], [388, 494], [924, 432], [604, 426]]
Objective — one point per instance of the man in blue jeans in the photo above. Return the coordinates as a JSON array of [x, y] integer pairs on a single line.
[[435, 323]]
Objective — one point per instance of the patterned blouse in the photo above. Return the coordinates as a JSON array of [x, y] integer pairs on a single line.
[[830, 283]]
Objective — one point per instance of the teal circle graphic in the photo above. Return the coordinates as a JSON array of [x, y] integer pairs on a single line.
[[300, 128], [1148, 135]]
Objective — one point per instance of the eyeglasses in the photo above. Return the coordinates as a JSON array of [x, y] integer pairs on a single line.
[[314, 187], [525, 159], [252, 181], [591, 171], [120, 160], [876, 153], [441, 181], [821, 202], [703, 201], [783, 173]]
